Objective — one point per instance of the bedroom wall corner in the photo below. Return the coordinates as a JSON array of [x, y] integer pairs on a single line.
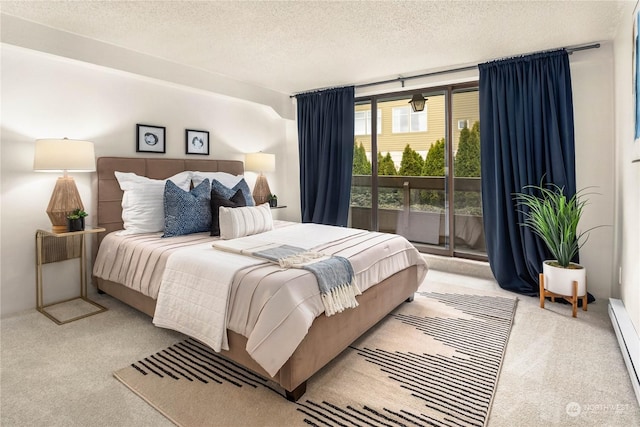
[[627, 177], [593, 103], [49, 96], [291, 175]]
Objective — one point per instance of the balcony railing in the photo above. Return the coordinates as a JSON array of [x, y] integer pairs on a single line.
[[415, 207]]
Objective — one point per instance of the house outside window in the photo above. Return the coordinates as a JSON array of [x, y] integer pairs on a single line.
[[405, 120], [463, 123], [363, 122]]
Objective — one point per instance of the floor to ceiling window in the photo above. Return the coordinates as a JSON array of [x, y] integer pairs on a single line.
[[418, 173]]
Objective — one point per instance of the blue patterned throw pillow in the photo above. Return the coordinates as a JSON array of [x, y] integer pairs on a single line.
[[229, 192], [186, 212]]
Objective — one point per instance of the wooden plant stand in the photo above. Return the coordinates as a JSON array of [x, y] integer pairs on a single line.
[[571, 299]]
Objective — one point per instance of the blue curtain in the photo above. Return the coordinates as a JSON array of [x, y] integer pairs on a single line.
[[526, 116], [325, 141]]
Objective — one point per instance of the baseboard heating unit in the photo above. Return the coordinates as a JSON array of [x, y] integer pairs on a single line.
[[628, 339]]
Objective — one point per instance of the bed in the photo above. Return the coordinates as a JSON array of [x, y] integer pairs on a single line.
[[327, 336]]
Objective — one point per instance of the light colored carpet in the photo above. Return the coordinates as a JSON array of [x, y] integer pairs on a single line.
[[54, 375], [433, 361], [68, 310]]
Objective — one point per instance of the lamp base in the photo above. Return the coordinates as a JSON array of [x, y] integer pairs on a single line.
[[261, 191], [64, 200], [57, 229]]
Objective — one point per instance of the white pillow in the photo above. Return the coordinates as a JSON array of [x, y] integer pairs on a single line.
[[143, 201], [224, 178], [245, 221]]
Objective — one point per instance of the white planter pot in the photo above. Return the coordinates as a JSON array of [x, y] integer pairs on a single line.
[[560, 280]]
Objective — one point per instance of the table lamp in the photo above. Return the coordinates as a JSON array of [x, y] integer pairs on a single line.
[[63, 155], [261, 162]]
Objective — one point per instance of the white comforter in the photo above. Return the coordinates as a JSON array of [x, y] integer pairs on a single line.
[[194, 293], [204, 291]]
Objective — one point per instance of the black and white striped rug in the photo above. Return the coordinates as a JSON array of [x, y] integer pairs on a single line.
[[432, 362]]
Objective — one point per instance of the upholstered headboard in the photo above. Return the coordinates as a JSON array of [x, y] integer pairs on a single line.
[[110, 194]]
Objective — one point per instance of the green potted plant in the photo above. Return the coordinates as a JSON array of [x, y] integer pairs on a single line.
[[75, 220], [554, 217], [273, 200]]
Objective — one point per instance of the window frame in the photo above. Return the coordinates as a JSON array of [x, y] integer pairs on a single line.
[[449, 160]]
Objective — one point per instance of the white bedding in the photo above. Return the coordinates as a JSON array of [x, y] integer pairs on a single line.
[[205, 291], [196, 285], [194, 293]]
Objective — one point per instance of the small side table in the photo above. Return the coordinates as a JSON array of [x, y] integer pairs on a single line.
[[53, 247], [276, 210]]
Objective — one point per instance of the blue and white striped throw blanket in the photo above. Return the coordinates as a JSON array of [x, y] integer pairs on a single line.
[[335, 276]]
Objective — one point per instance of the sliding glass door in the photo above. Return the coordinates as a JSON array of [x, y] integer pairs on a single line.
[[467, 205], [403, 161]]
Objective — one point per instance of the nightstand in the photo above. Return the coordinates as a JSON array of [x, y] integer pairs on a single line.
[[54, 247]]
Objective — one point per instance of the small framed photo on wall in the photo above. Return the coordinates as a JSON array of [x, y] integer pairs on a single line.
[[197, 142], [150, 139]]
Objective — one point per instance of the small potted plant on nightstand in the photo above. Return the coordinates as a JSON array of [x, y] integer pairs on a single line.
[[273, 200], [75, 220]]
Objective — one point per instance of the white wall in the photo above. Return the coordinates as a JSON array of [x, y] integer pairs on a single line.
[[49, 96], [30, 35], [593, 100], [627, 176]]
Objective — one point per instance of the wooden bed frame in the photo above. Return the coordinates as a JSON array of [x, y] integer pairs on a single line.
[[327, 337]]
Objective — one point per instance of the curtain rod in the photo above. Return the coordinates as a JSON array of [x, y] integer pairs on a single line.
[[401, 79]]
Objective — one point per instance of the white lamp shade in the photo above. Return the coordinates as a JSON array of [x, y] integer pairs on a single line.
[[260, 162], [64, 155]]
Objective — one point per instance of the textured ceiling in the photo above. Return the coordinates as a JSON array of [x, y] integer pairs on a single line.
[[296, 46]]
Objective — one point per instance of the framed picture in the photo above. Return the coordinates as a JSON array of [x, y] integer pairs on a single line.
[[150, 139], [197, 142]]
